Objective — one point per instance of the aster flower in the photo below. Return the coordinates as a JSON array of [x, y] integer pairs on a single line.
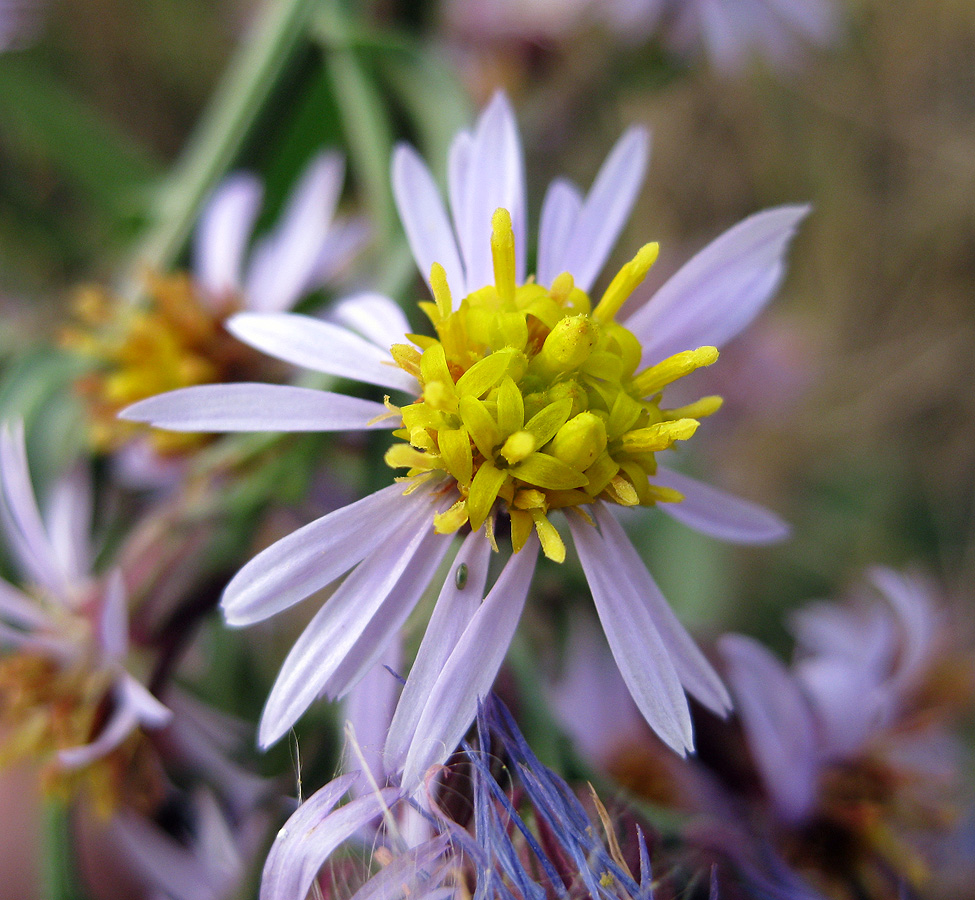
[[178, 337], [531, 402], [66, 698], [532, 838]]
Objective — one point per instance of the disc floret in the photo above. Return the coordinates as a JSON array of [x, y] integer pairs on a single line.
[[533, 397]]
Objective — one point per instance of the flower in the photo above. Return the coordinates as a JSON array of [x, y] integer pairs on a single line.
[[532, 838], [178, 338], [20, 23], [530, 402], [65, 697]]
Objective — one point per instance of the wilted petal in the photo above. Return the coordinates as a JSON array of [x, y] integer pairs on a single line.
[[458, 601], [424, 218], [318, 553], [222, 234], [471, 668], [312, 833], [778, 724], [714, 296], [642, 657], [607, 207], [719, 514], [375, 317], [255, 407], [560, 212], [320, 346]]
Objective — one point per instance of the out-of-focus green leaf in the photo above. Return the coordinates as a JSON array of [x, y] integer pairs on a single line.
[[41, 119]]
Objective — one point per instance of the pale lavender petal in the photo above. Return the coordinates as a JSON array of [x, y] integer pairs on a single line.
[[345, 240], [113, 621], [310, 836], [411, 875], [256, 407], [910, 599], [282, 264], [222, 234], [320, 346], [560, 212], [778, 724], [719, 514], [459, 185], [23, 525], [377, 318], [715, 295], [149, 712], [315, 555], [471, 668], [495, 178], [642, 657], [335, 629], [695, 672], [454, 610], [68, 522], [424, 218], [607, 207], [20, 609]]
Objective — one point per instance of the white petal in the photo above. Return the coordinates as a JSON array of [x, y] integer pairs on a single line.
[[778, 724], [68, 522], [714, 296], [345, 240], [23, 525], [455, 608], [315, 555], [320, 346], [335, 629], [377, 318], [560, 212], [459, 185], [148, 711], [496, 178], [695, 672], [222, 233], [255, 407], [607, 207], [283, 263], [719, 514], [641, 655], [311, 835], [471, 668], [424, 218], [113, 621]]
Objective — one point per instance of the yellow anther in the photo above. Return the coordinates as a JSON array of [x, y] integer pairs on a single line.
[[448, 522], [659, 436], [580, 441], [441, 290], [699, 409], [561, 288], [653, 379], [626, 281], [568, 344], [518, 446], [549, 537], [503, 255]]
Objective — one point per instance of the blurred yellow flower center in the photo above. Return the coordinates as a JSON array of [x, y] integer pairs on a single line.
[[532, 396]]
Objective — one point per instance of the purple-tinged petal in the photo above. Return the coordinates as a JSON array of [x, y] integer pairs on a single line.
[[335, 629], [719, 514], [471, 668], [255, 407], [320, 346], [20, 609], [22, 521], [148, 711], [717, 294], [412, 875], [377, 318], [113, 620], [495, 178], [459, 184], [282, 264], [315, 555], [345, 240], [695, 672], [222, 234], [310, 836], [607, 207], [424, 218], [642, 657], [560, 212], [68, 522], [778, 724], [458, 601]]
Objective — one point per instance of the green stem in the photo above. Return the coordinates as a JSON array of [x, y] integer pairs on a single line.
[[59, 872], [245, 88]]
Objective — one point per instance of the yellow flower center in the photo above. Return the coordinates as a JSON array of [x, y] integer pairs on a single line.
[[533, 397]]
